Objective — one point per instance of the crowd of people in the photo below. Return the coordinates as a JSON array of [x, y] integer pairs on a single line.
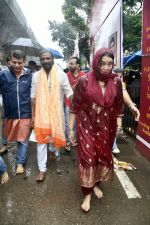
[[91, 104]]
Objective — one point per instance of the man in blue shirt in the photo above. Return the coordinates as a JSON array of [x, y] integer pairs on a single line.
[[15, 85]]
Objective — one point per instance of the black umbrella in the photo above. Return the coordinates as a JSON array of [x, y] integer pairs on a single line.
[[30, 47]]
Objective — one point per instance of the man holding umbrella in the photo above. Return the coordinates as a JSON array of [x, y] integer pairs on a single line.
[[15, 84]]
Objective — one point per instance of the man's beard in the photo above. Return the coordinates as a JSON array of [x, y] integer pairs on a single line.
[[47, 66], [72, 69]]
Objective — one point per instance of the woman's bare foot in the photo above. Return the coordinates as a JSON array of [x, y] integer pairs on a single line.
[[97, 192], [19, 169], [86, 203], [5, 178]]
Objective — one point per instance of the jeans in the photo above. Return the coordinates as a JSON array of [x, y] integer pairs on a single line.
[[114, 145], [22, 148], [2, 166], [4, 139], [66, 109]]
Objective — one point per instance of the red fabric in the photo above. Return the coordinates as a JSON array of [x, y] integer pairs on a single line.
[[17, 129], [96, 124], [87, 191], [67, 102], [95, 91], [73, 81]]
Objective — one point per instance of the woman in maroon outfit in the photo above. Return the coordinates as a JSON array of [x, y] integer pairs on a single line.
[[96, 104]]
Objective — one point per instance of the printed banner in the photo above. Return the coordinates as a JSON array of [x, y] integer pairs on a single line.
[[106, 28], [143, 132]]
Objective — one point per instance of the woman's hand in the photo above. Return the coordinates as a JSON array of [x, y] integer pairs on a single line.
[[135, 112]]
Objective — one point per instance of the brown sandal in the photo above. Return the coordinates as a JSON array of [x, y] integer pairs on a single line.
[[40, 177]]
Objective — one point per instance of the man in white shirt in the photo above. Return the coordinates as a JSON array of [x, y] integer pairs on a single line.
[[55, 80]]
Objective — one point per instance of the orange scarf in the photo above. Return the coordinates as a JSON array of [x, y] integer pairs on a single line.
[[48, 124]]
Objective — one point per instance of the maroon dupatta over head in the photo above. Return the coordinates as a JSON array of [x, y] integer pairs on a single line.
[[94, 89]]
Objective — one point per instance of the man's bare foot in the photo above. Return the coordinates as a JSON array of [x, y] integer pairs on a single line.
[[5, 178], [86, 203], [40, 177], [3, 149], [97, 192], [19, 169]]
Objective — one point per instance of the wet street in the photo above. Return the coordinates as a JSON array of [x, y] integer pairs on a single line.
[[57, 200]]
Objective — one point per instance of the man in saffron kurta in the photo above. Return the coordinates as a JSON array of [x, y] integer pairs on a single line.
[[49, 85]]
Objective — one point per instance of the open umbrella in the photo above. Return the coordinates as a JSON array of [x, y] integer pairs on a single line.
[[125, 58], [30, 47], [56, 54], [135, 57]]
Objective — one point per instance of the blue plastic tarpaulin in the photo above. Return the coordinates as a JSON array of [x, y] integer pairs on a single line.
[[125, 58], [135, 57]]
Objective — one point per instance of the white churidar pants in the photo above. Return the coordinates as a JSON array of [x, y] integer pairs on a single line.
[[42, 157]]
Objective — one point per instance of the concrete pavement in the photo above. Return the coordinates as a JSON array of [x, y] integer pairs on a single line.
[[57, 200]]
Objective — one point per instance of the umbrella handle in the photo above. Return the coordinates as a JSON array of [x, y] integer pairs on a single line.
[[25, 51]]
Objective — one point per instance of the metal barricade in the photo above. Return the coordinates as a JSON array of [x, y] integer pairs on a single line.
[[129, 123]]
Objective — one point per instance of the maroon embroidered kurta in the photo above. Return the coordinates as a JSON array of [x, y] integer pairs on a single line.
[[96, 131]]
